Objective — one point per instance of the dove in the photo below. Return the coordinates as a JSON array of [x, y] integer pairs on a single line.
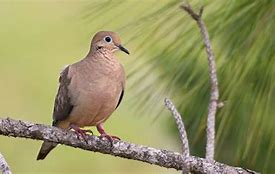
[[89, 90]]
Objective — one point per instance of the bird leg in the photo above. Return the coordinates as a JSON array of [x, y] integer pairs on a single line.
[[81, 132], [103, 134]]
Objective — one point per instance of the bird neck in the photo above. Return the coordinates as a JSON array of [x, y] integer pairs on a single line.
[[101, 55], [100, 51], [103, 62]]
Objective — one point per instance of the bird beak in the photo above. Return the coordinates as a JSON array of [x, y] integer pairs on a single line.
[[123, 49]]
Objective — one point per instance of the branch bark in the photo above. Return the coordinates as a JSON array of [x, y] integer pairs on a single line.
[[213, 103], [160, 157], [183, 135], [4, 167]]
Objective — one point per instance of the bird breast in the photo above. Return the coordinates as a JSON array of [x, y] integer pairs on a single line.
[[96, 93]]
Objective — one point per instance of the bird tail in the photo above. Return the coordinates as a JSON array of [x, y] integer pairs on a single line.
[[45, 149], [48, 146]]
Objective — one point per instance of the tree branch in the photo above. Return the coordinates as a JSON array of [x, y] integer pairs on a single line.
[[213, 103], [183, 135], [163, 158], [4, 167]]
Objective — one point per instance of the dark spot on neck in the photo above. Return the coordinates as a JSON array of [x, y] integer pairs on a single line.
[[99, 47]]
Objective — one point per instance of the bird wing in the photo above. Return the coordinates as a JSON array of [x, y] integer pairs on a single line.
[[120, 98], [62, 104], [123, 81]]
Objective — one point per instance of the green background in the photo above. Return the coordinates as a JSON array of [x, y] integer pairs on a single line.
[[38, 38]]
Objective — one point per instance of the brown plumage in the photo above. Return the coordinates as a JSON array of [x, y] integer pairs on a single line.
[[90, 90]]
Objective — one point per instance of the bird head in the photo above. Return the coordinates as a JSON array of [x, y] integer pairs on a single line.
[[107, 40]]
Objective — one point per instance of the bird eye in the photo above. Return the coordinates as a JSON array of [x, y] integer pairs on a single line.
[[108, 39]]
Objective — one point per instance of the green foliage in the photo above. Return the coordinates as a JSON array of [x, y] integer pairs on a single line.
[[243, 42]]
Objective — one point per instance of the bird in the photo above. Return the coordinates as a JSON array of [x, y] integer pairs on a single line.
[[90, 90]]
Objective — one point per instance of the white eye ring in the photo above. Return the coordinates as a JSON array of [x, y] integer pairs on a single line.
[[108, 39]]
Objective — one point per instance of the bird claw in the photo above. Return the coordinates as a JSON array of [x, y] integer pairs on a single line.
[[81, 132], [109, 137], [103, 134]]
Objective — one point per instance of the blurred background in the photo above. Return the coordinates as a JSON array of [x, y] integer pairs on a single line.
[[167, 59]]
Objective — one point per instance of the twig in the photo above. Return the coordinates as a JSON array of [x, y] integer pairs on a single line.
[[183, 134], [163, 158], [213, 103], [4, 167]]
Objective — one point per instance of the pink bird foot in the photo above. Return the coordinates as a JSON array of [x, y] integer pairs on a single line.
[[109, 137], [80, 132], [103, 134]]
